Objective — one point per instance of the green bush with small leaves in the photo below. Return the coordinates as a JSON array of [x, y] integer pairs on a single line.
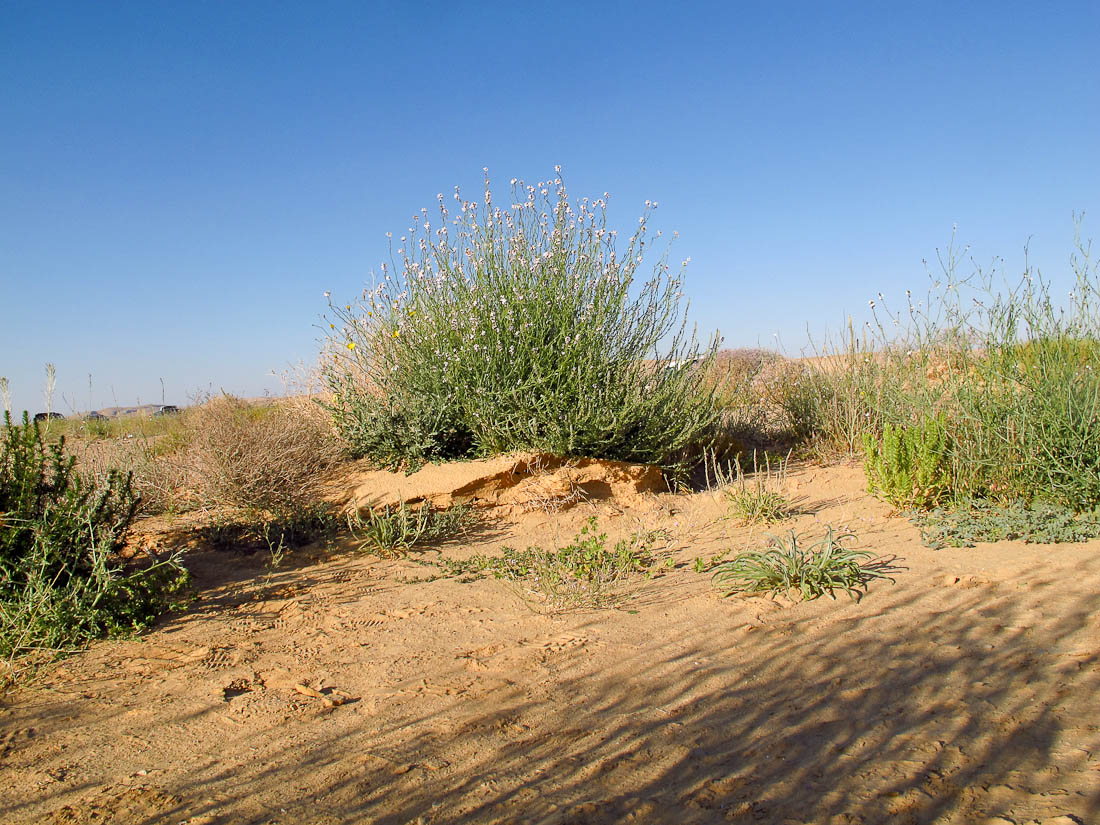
[[908, 466], [62, 579]]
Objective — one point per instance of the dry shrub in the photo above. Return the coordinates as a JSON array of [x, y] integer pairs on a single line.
[[159, 466], [750, 417], [270, 457]]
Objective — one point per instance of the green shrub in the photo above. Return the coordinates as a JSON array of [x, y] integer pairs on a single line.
[[786, 566], [62, 580], [1011, 375], [1016, 375], [524, 329], [908, 466], [1055, 419]]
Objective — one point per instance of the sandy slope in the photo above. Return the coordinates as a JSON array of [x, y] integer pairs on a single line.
[[965, 692]]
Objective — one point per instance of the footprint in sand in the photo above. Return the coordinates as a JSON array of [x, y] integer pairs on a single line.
[[219, 658], [565, 642]]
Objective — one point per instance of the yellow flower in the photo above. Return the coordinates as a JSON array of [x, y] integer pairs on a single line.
[[351, 345], [396, 333], [348, 306], [332, 326]]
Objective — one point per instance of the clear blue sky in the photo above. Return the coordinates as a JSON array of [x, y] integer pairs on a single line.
[[181, 181]]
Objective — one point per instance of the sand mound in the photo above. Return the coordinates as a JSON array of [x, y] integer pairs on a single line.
[[519, 480]]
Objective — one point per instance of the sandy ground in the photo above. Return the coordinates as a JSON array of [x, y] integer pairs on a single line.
[[966, 692]]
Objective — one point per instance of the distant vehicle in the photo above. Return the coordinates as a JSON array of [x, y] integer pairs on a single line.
[[95, 416], [167, 409], [47, 416]]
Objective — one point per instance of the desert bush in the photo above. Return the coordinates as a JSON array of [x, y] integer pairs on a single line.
[[831, 401], [743, 379], [393, 531], [908, 466], [527, 328], [1016, 379], [269, 458], [159, 473], [786, 566], [62, 578]]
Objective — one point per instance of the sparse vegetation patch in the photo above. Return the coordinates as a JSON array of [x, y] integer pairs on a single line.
[[393, 531], [584, 573], [1035, 523], [761, 500]]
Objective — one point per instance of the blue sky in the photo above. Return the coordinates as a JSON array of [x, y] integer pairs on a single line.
[[180, 182]]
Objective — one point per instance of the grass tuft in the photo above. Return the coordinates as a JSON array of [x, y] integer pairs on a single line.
[[787, 566], [761, 501], [392, 531]]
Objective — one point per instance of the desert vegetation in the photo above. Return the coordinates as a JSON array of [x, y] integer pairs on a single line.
[[974, 413], [975, 410], [788, 566], [523, 326], [63, 579], [983, 395]]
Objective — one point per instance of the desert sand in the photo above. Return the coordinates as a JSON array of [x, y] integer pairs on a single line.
[[336, 689]]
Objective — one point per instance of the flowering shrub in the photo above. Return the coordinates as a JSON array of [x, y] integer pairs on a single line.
[[504, 328]]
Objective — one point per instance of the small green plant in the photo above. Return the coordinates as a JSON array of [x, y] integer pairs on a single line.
[[761, 501], [908, 467], [701, 565], [393, 531], [585, 573], [1035, 523], [249, 530], [62, 578], [786, 566]]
